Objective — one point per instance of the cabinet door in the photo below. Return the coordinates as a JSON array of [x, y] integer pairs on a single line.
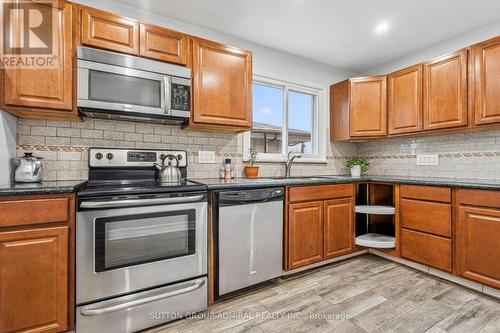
[[163, 44], [486, 62], [478, 253], [368, 107], [51, 87], [339, 227], [305, 234], [445, 91], [34, 280], [222, 85], [405, 100], [109, 31]]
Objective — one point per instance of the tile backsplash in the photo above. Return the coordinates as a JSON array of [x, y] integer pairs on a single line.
[[64, 146], [474, 155]]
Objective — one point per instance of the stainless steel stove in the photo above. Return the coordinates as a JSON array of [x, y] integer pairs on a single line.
[[141, 246]]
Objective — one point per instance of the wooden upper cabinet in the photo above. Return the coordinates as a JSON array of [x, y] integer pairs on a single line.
[[445, 91], [163, 44], [108, 31], [405, 100], [34, 279], [486, 77], [222, 85], [339, 227], [36, 90], [339, 111], [368, 107], [305, 234]]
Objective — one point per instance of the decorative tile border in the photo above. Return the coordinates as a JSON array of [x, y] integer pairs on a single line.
[[455, 155]]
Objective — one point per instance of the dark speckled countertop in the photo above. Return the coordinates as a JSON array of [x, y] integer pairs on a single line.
[[48, 187], [240, 183]]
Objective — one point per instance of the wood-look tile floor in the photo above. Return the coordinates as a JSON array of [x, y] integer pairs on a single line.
[[362, 294]]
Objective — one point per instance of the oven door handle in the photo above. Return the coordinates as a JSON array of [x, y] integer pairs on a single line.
[[87, 311], [140, 202]]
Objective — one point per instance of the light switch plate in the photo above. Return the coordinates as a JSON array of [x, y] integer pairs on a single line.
[[428, 159], [206, 156]]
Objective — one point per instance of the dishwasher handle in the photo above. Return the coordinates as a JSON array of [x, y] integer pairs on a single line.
[[231, 198]]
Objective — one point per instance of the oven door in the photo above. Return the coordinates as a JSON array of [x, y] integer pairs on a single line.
[[109, 87], [124, 249]]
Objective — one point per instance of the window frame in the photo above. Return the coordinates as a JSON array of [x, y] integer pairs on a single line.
[[319, 122]]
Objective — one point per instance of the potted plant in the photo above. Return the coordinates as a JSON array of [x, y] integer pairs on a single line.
[[357, 165], [251, 171]]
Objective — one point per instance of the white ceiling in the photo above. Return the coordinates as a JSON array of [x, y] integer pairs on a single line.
[[335, 32]]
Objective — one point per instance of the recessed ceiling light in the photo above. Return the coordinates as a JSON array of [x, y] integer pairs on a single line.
[[382, 27]]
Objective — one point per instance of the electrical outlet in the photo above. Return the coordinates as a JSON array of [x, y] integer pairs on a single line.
[[206, 156], [427, 159]]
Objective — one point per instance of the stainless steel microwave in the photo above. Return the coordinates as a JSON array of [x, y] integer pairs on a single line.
[[118, 86]]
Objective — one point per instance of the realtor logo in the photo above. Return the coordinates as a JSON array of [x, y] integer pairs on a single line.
[[28, 34]]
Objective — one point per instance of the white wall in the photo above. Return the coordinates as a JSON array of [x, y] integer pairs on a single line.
[[450, 45], [265, 60], [8, 137]]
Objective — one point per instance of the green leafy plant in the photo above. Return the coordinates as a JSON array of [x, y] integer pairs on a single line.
[[356, 160], [252, 155]]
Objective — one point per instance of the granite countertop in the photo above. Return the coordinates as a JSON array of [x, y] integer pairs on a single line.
[[47, 187], [219, 184]]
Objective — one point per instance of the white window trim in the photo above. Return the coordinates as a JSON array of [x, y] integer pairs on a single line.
[[320, 124]]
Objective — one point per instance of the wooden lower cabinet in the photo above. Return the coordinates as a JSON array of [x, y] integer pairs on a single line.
[[427, 249], [338, 227], [305, 234], [319, 223], [478, 252], [34, 280], [36, 264]]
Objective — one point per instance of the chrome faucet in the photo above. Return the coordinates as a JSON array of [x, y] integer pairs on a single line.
[[289, 160]]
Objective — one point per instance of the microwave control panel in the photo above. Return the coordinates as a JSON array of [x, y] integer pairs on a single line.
[[181, 95]]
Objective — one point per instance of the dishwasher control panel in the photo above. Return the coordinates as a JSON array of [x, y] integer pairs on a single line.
[[252, 195]]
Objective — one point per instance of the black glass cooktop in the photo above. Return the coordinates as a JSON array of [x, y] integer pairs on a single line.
[[118, 187]]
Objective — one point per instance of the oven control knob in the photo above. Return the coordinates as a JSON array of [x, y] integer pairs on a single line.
[[162, 157], [109, 156], [179, 157], [98, 156]]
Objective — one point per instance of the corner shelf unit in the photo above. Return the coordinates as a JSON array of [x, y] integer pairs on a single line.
[[375, 225]]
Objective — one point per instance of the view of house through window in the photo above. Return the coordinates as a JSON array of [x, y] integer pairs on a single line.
[[283, 120]]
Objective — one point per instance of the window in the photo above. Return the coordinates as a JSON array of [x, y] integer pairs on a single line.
[[286, 117]]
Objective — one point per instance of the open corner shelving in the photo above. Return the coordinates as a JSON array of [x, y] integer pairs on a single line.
[[375, 225]]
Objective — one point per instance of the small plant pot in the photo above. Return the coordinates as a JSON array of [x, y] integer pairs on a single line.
[[356, 171], [251, 172]]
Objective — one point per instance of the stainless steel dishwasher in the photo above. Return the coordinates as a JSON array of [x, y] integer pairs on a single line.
[[248, 230]]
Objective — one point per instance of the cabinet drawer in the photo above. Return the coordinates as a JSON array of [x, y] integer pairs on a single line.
[[432, 193], [33, 211], [320, 192], [479, 198], [426, 249], [431, 217]]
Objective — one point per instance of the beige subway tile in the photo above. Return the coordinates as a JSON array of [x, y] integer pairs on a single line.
[[144, 128], [68, 132], [125, 126], [94, 134], [113, 135], [31, 140], [68, 175], [152, 138], [69, 155], [81, 142], [133, 137], [104, 125], [57, 141], [43, 131]]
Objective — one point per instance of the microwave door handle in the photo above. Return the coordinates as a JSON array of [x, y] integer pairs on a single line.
[[85, 311], [140, 202], [167, 98]]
